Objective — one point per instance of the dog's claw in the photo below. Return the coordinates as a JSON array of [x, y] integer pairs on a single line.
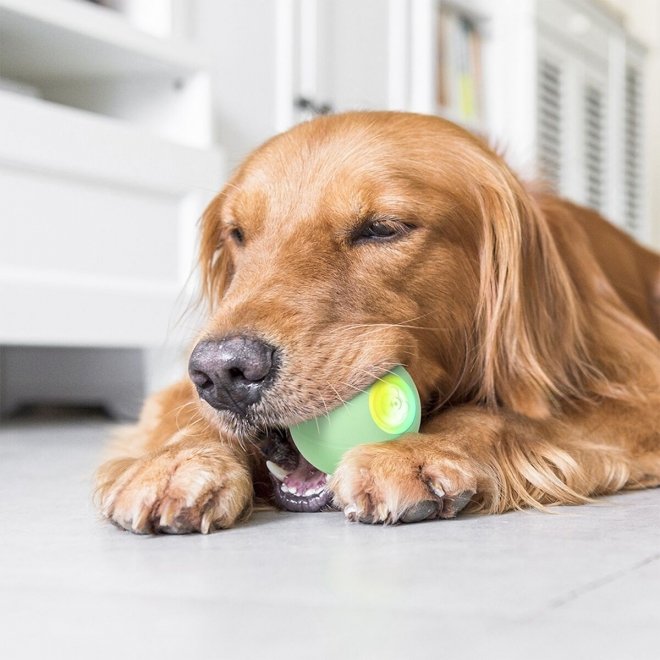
[[351, 513], [140, 519], [207, 520], [167, 513]]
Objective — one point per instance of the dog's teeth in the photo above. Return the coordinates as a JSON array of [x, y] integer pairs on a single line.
[[314, 491], [278, 472]]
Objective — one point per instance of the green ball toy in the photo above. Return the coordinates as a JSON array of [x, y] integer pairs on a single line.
[[385, 411]]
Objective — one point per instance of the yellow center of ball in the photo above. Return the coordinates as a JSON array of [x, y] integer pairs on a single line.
[[389, 404]]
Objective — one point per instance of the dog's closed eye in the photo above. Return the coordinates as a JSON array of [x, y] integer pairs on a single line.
[[237, 235], [380, 229]]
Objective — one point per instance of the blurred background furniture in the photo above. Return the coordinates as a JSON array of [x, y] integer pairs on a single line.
[[111, 116], [557, 85], [106, 161]]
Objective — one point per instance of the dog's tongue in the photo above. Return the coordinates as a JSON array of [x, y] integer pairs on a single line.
[[302, 489], [305, 478]]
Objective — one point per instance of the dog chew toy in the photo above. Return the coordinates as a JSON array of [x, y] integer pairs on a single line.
[[389, 408]]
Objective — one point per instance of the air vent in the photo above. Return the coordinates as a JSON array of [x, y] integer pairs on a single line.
[[549, 122], [594, 147], [632, 162]]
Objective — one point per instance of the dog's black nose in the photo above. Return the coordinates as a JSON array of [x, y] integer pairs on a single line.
[[232, 373]]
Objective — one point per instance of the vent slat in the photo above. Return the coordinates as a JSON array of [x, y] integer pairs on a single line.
[[632, 149], [594, 135], [549, 122]]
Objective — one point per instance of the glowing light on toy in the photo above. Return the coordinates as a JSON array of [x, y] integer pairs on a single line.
[[385, 411]]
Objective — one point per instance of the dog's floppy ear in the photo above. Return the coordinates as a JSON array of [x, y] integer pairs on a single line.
[[531, 327], [214, 260]]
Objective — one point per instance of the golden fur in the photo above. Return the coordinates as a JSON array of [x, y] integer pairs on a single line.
[[529, 325]]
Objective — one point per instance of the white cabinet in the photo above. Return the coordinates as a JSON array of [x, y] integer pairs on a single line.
[[105, 167]]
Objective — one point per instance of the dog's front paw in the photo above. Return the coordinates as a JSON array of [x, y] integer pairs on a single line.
[[386, 483], [178, 489]]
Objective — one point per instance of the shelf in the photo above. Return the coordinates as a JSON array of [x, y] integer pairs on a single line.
[[476, 126], [52, 137], [477, 12], [50, 40]]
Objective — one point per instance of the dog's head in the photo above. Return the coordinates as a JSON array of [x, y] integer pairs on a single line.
[[357, 242]]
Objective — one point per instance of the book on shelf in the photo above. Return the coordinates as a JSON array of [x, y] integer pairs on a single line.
[[459, 85]]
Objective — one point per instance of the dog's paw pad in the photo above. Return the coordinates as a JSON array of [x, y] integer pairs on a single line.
[[452, 506], [424, 510]]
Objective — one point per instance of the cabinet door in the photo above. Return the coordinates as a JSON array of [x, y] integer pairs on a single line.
[[350, 55]]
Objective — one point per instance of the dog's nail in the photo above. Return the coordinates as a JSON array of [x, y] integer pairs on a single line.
[[140, 518], [167, 513], [207, 519], [437, 489], [108, 502], [350, 512]]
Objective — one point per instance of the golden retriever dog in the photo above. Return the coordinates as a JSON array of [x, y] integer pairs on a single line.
[[357, 242]]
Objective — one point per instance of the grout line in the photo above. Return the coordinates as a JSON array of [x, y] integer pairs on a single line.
[[572, 595]]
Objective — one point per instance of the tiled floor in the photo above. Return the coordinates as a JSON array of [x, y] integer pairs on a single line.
[[583, 583]]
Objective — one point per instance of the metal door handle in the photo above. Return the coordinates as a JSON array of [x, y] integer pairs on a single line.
[[303, 103]]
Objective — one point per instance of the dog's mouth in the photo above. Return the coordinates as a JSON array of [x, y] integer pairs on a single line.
[[297, 484], [302, 489]]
